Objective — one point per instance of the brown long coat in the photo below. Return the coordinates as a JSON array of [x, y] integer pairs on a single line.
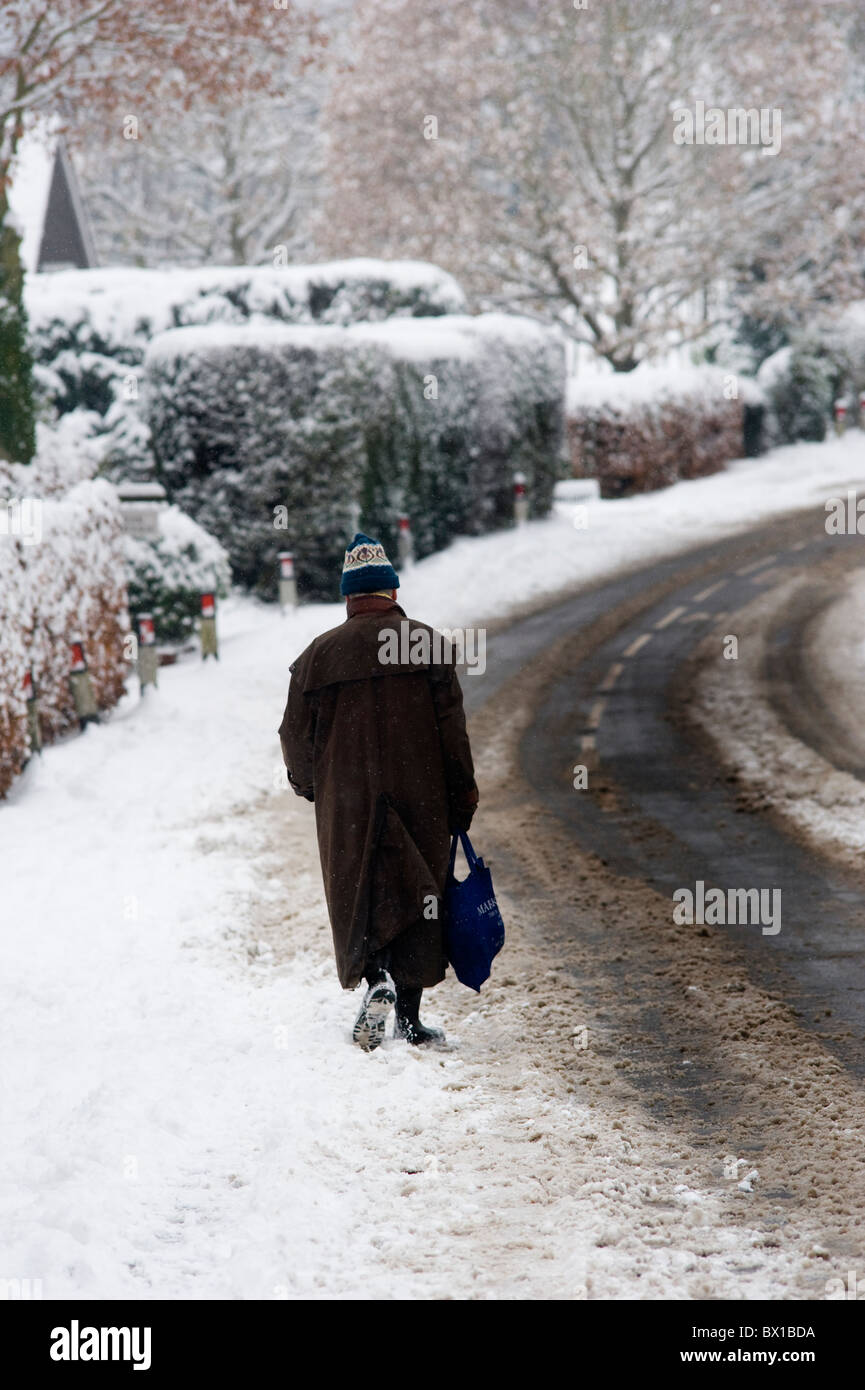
[[383, 752]]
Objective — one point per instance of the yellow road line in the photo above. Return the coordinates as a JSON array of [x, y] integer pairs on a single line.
[[671, 617], [612, 676], [757, 564], [595, 713], [637, 644], [707, 593]]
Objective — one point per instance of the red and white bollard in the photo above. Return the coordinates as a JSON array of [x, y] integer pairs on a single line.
[[148, 657], [287, 580], [405, 543], [207, 627], [862, 410], [81, 684], [34, 725], [840, 416], [521, 499]]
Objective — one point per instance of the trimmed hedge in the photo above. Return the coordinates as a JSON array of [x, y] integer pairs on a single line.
[[802, 381], [90, 328], [427, 417], [799, 388], [448, 460], [247, 420], [71, 582], [646, 429]]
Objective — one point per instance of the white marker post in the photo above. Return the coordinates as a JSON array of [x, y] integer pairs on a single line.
[[840, 416], [34, 725], [148, 657], [405, 543], [521, 500], [81, 684], [209, 644], [287, 581]]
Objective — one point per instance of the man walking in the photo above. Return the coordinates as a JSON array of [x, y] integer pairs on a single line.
[[374, 734]]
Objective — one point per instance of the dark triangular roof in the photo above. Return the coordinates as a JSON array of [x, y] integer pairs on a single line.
[[66, 237], [47, 206]]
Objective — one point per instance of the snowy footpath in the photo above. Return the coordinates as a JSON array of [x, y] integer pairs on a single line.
[[183, 1113]]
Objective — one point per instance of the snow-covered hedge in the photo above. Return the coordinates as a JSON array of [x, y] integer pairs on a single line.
[[166, 576], [848, 342], [468, 402], [247, 420], [642, 430], [799, 384], [89, 327], [61, 576], [803, 380], [274, 438]]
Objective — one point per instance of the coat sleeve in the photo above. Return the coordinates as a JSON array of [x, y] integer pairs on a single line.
[[456, 752], [297, 738]]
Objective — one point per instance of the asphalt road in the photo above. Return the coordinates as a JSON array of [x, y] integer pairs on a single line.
[[658, 808]]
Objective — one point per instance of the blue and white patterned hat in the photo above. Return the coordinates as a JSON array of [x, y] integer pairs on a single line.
[[367, 567]]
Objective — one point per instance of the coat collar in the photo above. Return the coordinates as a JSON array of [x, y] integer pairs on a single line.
[[358, 604]]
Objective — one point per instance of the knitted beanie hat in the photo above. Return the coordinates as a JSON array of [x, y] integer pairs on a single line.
[[367, 568]]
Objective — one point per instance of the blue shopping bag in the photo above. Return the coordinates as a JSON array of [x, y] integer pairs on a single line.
[[475, 932]]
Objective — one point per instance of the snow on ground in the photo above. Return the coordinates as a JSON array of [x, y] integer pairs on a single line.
[[774, 768], [491, 575], [184, 1115]]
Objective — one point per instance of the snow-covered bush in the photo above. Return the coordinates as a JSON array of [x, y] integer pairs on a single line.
[[14, 660], [472, 401], [848, 346], [282, 438], [60, 578], [799, 382], [88, 319], [802, 381], [258, 434], [89, 329], [643, 430], [167, 575]]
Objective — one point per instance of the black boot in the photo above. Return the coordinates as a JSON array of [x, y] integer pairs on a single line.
[[408, 1025]]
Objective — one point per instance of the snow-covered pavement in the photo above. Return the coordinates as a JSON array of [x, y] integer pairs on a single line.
[[183, 1114]]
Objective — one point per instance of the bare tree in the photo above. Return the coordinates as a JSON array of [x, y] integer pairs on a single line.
[[224, 183], [533, 150], [118, 58]]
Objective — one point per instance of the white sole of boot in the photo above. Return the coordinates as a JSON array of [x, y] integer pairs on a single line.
[[370, 1024]]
